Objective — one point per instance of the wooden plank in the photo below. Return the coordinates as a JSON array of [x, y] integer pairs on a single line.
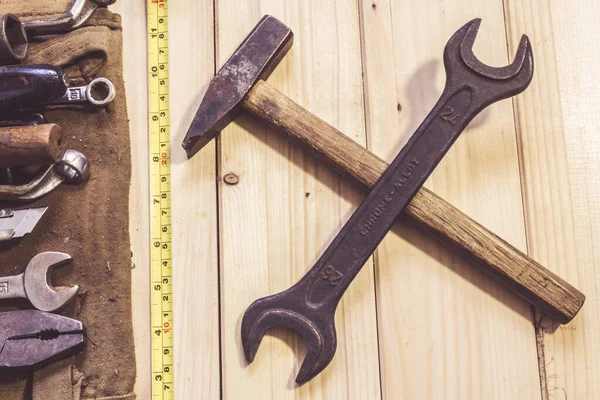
[[558, 131], [134, 57], [195, 210], [194, 203], [561, 208], [286, 207], [446, 330]]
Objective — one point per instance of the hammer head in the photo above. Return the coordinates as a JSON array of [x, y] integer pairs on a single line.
[[255, 59]]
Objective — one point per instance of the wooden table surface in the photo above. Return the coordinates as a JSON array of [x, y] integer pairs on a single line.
[[419, 322]]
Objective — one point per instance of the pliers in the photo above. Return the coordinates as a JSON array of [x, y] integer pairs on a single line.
[[31, 339]]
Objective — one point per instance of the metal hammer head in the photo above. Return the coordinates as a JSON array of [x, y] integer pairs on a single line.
[[255, 59], [36, 281]]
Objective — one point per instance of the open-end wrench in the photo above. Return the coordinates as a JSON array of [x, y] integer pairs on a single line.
[[34, 283], [309, 306]]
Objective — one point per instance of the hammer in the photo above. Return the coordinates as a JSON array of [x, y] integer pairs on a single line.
[[239, 85]]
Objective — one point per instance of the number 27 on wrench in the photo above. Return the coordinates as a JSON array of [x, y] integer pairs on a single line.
[[309, 306]]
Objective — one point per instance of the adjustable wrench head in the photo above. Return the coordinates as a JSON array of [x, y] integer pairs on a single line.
[[37, 285], [287, 309], [488, 84]]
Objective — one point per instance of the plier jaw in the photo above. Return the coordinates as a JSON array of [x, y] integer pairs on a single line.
[[31, 339]]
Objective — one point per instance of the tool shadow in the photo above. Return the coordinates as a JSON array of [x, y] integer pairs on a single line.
[[462, 264], [419, 90]]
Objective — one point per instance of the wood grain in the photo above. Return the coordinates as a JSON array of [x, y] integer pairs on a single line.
[[134, 59], [524, 276], [444, 320], [559, 148], [194, 207], [31, 145], [286, 208], [194, 218], [445, 331]]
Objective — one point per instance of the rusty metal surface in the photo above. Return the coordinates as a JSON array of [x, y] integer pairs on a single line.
[[255, 59], [309, 306], [13, 40]]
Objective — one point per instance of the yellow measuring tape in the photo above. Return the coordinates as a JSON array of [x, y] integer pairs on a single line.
[[161, 290]]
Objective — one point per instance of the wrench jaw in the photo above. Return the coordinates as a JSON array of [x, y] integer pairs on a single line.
[[263, 315], [488, 84], [38, 289]]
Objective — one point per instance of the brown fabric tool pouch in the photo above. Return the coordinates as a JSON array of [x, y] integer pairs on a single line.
[[90, 221]]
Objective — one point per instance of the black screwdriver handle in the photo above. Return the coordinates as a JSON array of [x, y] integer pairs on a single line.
[[24, 85]]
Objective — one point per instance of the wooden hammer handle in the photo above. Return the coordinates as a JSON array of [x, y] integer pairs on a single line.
[[31, 145], [524, 276]]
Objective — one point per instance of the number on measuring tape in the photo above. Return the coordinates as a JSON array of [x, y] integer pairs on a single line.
[[160, 202]]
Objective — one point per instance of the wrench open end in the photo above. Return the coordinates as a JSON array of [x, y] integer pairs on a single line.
[[262, 316], [503, 81], [37, 285]]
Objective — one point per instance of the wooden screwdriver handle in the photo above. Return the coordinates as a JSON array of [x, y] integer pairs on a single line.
[[31, 145], [524, 276]]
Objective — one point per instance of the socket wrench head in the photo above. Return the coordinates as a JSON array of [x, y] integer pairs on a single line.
[[74, 168], [13, 40]]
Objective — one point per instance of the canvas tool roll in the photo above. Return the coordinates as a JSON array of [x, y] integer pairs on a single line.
[[90, 222]]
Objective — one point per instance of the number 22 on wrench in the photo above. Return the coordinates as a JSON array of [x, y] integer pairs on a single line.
[[309, 306]]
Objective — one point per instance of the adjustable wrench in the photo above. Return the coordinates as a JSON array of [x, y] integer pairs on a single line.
[[309, 306]]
